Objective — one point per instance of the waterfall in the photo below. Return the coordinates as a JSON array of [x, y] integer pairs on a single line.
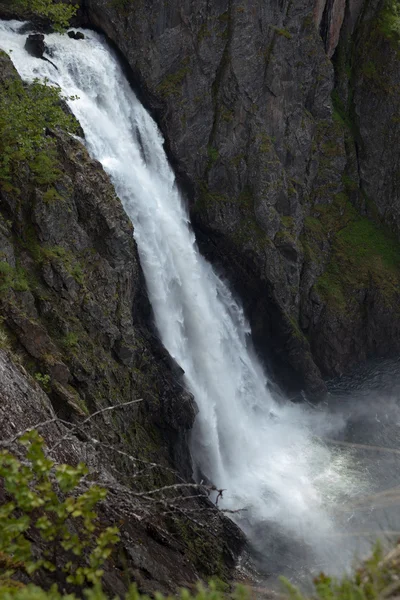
[[267, 455]]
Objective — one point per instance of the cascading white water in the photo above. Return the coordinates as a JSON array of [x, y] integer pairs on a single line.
[[265, 454]]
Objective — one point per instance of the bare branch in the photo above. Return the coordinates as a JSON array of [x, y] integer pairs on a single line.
[[78, 426], [10, 441]]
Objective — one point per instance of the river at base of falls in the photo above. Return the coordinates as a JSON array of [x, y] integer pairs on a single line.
[[297, 490], [365, 405]]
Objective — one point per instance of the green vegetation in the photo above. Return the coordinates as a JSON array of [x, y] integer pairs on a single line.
[[58, 13], [172, 84], [67, 526], [288, 222], [26, 112], [12, 278], [71, 340], [389, 20], [43, 500], [53, 255], [283, 32], [31, 592], [378, 578], [56, 506], [43, 380], [204, 32], [213, 154], [341, 113], [363, 253]]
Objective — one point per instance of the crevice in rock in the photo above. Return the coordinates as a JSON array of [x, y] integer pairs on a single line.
[[326, 22]]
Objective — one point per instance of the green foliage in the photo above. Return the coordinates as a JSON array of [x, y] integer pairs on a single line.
[[363, 253], [389, 20], [58, 13], [12, 278], [283, 32], [341, 113], [31, 592], [172, 83], [25, 114], [44, 500], [53, 255], [70, 340], [213, 154], [43, 380]]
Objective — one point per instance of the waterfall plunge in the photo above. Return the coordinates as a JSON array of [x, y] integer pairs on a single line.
[[266, 455]]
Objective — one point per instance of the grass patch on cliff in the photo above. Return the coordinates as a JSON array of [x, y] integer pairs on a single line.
[[363, 254], [12, 278], [57, 256], [171, 85], [389, 20], [282, 32]]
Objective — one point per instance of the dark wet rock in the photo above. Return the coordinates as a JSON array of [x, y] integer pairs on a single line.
[[76, 35], [35, 45]]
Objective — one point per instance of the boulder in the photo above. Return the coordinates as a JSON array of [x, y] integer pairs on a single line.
[[35, 45], [76, 35]]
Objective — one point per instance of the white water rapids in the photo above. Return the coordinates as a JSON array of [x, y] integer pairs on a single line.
[[267, 455]]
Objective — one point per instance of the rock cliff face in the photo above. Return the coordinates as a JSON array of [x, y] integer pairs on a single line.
[[270, 111], [74, 317]]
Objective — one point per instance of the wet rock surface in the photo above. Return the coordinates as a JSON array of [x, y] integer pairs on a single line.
[[76, 35], [35, 45]]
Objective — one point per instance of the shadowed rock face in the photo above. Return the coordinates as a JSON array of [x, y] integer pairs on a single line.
[[274, 169]]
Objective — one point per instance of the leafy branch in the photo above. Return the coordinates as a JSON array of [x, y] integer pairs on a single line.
[[26, 115], [58, 13]]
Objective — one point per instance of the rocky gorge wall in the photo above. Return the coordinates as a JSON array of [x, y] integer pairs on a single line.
[[280, 118], [75, 338]]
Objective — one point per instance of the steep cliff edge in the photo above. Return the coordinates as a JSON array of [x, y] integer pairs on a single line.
[[270, 114], [75, 319]]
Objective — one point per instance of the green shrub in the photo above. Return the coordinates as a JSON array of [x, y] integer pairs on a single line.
[[31, 592], [12, 278], [43, 380], [389, 20], [213, 154], [26, 112], [44, 499], [58, 13]]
